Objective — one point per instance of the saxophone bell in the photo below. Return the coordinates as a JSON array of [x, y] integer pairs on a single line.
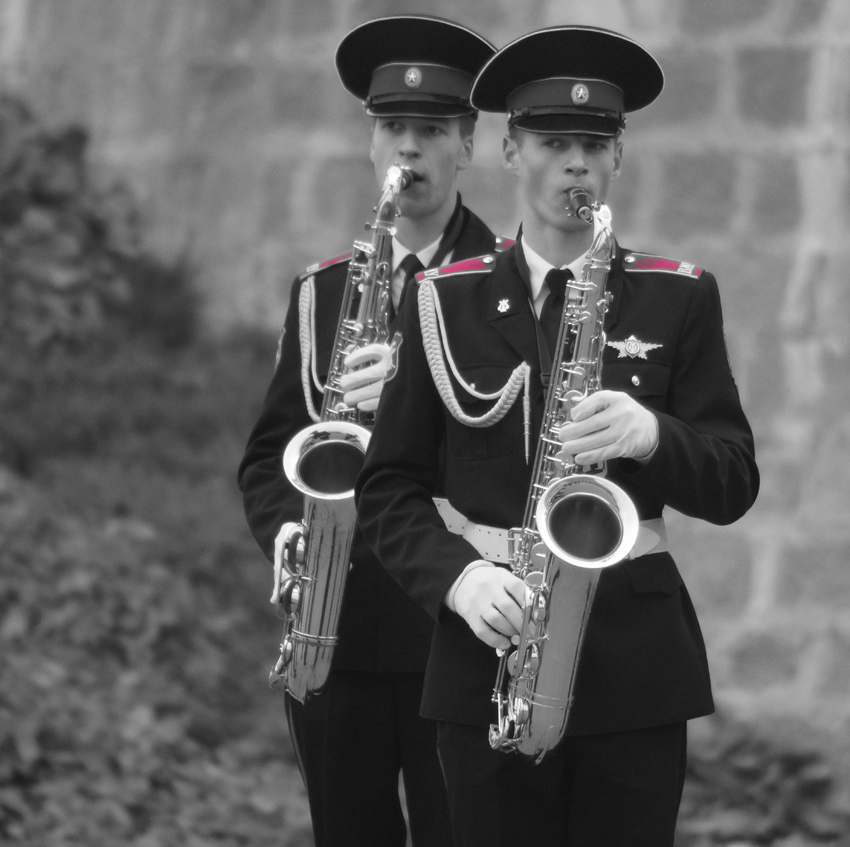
[[587, 521]]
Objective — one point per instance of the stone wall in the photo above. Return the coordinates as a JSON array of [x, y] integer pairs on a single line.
[[249, 159]]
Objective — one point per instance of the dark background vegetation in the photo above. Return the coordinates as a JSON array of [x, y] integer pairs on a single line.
[[135, 632]]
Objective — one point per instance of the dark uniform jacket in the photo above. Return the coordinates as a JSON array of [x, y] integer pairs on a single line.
[[644, 662], [380, 628]]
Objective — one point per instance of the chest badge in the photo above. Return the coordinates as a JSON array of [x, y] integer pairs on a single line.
[[632, 348], [503, 306]]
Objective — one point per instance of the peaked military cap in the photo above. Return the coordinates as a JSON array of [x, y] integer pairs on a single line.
[[578, 79], [412, 66]]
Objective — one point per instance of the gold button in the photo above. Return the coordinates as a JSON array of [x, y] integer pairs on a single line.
[[635, 380]]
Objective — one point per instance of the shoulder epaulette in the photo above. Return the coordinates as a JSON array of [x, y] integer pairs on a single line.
[[646, 262], [503, 243], [320, 266], [478, 264]]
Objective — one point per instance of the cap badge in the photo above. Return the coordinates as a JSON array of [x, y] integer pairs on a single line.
[[632, 348], [413, 78], [503, 306], [580, 94]]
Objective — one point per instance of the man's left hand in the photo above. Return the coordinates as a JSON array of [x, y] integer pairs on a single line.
[[363, 386], [609, 425]]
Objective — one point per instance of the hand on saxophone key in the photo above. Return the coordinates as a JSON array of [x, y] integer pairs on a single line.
[[609, 425], [364, 380], [490, 600]]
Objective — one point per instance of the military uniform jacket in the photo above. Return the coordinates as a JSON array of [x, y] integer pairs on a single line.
[[380, 628], [644, 660]]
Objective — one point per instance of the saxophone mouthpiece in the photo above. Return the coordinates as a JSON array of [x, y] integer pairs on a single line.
[[580, 204], [406, 178]]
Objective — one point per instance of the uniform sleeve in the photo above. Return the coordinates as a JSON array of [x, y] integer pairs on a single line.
[[705, 463], [394, 491], [268, 498]]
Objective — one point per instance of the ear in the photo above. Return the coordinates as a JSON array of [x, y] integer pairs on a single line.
[[464, 160], [618, 159], [510, 155]]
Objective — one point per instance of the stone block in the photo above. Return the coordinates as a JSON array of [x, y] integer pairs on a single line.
[[762, 659], [311, 18], [806, 16], [700, 18], [834, 670], [716, 565], [307, 97], [690, 90], [699, 188], [816, 575], [777, 205], [773, 85]]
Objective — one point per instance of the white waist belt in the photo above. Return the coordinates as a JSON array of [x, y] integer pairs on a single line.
[[492, 542]]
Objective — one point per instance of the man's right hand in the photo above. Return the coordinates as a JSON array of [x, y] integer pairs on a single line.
[[490, 600]]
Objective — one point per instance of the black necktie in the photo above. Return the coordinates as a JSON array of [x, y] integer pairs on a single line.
[[553, 305], [410, 266]]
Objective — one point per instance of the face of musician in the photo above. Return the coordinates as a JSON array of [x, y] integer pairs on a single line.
[[549, 165], [436, 150]]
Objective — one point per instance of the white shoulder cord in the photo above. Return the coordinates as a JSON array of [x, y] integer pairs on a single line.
[[431, 321], [306, 336]]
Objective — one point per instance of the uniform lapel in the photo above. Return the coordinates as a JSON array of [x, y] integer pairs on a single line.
[[508, 309], [615, 288]]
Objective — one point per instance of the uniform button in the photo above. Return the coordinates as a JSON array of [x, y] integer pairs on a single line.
[[635, 380]]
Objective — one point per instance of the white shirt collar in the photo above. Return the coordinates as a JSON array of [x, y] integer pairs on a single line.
[[399, 253], [538, 267], [424, 255]]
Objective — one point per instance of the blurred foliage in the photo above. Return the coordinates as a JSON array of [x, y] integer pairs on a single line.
[[135, 636], [743, 790], [71, 250]]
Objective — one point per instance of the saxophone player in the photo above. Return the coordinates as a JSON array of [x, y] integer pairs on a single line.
[[413, 75], [667, 421]]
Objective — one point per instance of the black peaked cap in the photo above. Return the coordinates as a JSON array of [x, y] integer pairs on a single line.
[[580, 54], [392, 45]]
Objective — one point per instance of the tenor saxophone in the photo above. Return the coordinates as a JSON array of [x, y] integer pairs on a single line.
[[576, 523], [323, 461]]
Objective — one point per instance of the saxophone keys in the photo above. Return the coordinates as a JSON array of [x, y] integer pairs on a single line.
[[290, 596]]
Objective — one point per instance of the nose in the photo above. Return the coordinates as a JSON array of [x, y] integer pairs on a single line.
[[408, 147], [574, 162]]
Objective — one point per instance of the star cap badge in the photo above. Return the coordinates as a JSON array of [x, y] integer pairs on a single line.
[[580, 94], [413, 78], [632, 348]]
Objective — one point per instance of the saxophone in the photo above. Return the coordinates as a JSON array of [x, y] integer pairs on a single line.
[[576, 523], [323, 461]]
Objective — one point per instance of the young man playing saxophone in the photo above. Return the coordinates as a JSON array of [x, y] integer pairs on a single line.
[[413, 75], [667, 421]]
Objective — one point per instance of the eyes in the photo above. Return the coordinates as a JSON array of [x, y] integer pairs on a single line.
[[428, 129], [590, 144]]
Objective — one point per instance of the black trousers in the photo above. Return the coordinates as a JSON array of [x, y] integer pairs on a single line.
[[616, 790], [352, 741]]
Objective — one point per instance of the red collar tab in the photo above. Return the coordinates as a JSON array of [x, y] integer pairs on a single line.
[[320, 266], [467, 266], [646, 263]]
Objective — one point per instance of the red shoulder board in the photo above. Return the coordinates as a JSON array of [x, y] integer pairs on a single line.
[[476, 265], [503, 243], [645, 262], [320, 266]]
